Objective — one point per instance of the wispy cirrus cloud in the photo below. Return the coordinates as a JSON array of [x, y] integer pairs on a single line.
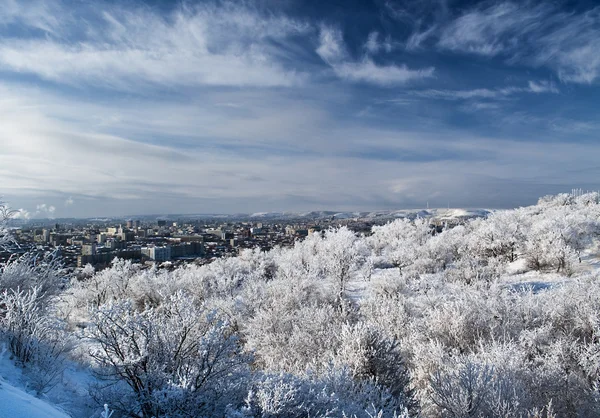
[[570, 47], [384, 75], [373, 45], [536, 87], [200, 45], [333, 51], [542, 87], [538, 35], [491, 30], [36, 14]]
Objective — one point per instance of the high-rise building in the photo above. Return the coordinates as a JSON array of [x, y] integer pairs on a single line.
[[187, 249], [101, 238], [157, 253], [162, 253], [127, 236], [88, 249]]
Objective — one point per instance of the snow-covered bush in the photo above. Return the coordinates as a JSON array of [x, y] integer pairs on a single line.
[[174, 360], [293, 340], [107, 285], [5, 215], [36, 338], [400, 241], [333, 394], [371, 356], [460, 390], [42, 271]]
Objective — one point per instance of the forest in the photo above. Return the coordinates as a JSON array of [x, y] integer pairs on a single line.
[[496, 317]]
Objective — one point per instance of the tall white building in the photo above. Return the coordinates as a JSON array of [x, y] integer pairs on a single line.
[[157, 253]]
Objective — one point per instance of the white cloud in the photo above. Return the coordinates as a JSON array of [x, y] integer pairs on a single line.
[[477, 106], [37, 14], [571, 49], [373, 45], [60, 149], [45, 210], [536, 87], [490, 30], [539, 35], [542, 87], [331, 45], [417, 38], [573, 52], [205, 45], [21, 214], [458, 94], [570, 126], [69, 201], [383, 75], [333, 51]]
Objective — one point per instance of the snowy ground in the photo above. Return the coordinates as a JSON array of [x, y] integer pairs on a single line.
[[590, 259], [517, 276], [70, 394], [15, 401]]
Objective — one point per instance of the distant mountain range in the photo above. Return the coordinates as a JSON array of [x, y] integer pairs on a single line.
[[440, 214], [381, 214]]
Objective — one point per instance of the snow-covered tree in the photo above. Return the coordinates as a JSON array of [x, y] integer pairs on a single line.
[[31, 270], [5, 214], [175, 360], [36, 338]]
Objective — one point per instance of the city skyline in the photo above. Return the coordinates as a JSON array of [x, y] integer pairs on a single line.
[[113, 108]]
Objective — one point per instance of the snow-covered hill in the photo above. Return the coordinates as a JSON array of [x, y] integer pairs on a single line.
[[16, 403], [68, 398]]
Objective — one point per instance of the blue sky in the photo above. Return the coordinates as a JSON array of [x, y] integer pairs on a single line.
[[117, 108]]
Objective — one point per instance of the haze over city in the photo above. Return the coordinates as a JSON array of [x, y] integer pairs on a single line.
[[202, 107]]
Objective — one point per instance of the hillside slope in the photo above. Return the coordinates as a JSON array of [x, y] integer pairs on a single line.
[[17, 403]]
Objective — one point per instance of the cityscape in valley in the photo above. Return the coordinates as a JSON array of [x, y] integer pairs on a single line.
[[299, 209], [198, 239]]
